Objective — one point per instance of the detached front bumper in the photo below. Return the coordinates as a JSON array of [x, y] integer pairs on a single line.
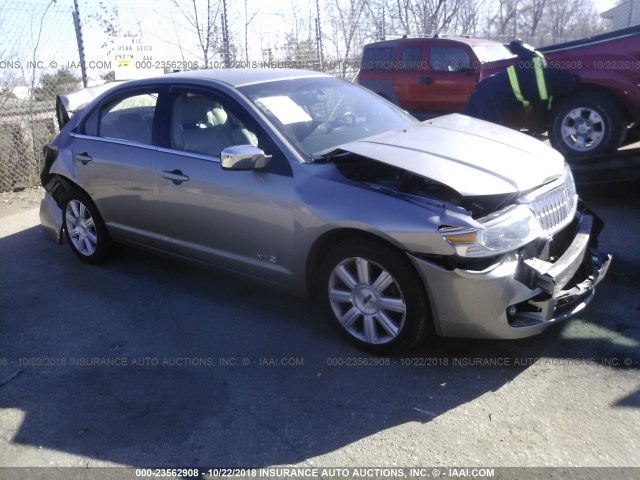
[[518, 297]]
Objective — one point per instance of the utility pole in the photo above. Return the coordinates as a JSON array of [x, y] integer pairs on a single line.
[[319, 37], [225, 36], [78, 27]]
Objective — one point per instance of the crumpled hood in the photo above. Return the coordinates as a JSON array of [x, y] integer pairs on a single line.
[[471, 156]]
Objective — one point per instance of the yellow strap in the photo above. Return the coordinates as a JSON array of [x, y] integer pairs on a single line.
[[515, 86], [542, 85]]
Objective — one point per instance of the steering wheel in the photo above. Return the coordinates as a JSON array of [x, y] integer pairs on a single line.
[[346, 119]]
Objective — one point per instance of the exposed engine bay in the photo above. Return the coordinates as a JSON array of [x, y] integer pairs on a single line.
[[398, 181]]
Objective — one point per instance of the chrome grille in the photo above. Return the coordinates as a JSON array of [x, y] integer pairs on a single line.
[[554, 206]]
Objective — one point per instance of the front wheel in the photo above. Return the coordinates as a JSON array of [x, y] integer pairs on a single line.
[[84, 229], [375, 297], [586, 124]]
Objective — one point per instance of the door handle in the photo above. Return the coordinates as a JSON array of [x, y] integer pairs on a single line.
[[84, 158], [425, 81], [176, 176]]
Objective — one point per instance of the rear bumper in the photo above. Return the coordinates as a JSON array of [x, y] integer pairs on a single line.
[[516, 298], [51, 218]]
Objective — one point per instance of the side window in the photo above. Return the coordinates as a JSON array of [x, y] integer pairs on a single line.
[[128, 118], [202, 124], [378, 58], [411, 58], [449, 59]]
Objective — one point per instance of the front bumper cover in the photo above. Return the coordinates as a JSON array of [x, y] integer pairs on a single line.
[[517, 297]]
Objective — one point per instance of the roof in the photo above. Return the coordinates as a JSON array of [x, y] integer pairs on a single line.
[[612, 12], [235, 77], [239, 77], [397, 41], [624, 14]]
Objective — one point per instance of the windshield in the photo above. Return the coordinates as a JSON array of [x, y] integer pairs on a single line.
[[492, 53], [319, 114]]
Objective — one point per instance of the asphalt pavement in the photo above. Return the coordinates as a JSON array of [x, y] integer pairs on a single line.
[[146, 361]]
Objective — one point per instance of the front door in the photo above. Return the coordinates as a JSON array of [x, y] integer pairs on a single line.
[[241, 220]]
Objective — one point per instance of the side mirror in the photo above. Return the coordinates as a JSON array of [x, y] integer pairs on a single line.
[[243, 157]]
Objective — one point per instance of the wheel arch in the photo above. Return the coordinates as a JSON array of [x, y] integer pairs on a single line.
[[59, 186], [326, 242], [592, 88], [615, 113]]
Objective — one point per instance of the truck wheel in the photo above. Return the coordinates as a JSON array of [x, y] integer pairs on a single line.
[[586, 124], [375, 297]]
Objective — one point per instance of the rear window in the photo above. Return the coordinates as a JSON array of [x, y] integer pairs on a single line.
[[126, 118], [492, 53], [378, 58]]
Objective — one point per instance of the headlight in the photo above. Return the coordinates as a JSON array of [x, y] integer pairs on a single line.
[[500, 233]]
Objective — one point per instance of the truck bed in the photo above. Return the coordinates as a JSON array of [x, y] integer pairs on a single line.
[[623, 34], [623, 165]]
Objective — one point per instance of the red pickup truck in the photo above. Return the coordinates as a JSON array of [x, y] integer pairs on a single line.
[[437, 75]]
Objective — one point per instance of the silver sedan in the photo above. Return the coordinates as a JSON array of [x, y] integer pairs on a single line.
[[401, 229]]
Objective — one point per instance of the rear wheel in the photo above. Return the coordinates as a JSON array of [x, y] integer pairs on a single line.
[[84, 229], [587, 123], [375, 297]]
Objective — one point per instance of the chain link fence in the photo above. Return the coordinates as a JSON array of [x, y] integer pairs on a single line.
[[29, 83]]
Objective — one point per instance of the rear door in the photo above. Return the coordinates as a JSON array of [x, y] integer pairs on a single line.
[[411, 82], [378, 71], [115, 153]]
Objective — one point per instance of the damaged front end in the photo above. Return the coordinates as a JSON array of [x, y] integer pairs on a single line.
[[520, 264], [566, 273], [519, 293]]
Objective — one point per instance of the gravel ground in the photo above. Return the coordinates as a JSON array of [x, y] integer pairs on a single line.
[[21, 201]]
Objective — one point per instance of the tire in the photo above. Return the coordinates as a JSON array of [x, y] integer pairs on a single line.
[[375, 297], [587, 124], [84, 228]]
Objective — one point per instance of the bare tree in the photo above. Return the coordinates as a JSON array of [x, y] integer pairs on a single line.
[[347, 32], [405, 15], [536, 11], [507, 15], [203, 22], [248, 18], [468, 17], [35, 73], [298, 42], [8, 78], [108, 19]]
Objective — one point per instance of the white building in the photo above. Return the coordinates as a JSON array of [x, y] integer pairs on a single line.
[[624, 15]]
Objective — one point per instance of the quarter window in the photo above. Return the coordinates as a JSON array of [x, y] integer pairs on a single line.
[[411, 58], [129, 118], [379, 58]]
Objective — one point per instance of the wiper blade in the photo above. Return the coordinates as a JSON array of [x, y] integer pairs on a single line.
[[324, 155]]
